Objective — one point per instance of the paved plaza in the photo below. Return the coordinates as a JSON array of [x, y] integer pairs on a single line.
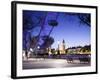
[[39, 63]]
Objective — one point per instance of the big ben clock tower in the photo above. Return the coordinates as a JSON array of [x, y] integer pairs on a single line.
[[62, 49]]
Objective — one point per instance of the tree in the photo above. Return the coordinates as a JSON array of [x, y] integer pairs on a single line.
[[53, 51], [47, 41], [66, 50], [33, 41], [85, 19], [86, 48], [42, 27], [31, 20]]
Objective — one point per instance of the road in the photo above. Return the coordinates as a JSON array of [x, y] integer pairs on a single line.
[[39, 63]]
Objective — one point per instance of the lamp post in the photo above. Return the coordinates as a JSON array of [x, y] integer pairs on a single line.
[[38, 47], [58, 44], [58, 51]]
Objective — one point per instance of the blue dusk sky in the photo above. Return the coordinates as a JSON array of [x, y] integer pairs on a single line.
[[69, 28]]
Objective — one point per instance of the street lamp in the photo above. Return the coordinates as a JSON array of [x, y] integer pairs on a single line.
[[58, 44], [58, 51], [31, 49], [38, 47]]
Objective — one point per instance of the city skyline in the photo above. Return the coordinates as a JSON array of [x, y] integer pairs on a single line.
[[69, 28]]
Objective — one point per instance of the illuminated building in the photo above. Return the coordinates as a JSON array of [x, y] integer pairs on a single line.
[[62, 47]]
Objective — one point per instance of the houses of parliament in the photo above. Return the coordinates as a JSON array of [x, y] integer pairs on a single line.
[[62, 47]]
